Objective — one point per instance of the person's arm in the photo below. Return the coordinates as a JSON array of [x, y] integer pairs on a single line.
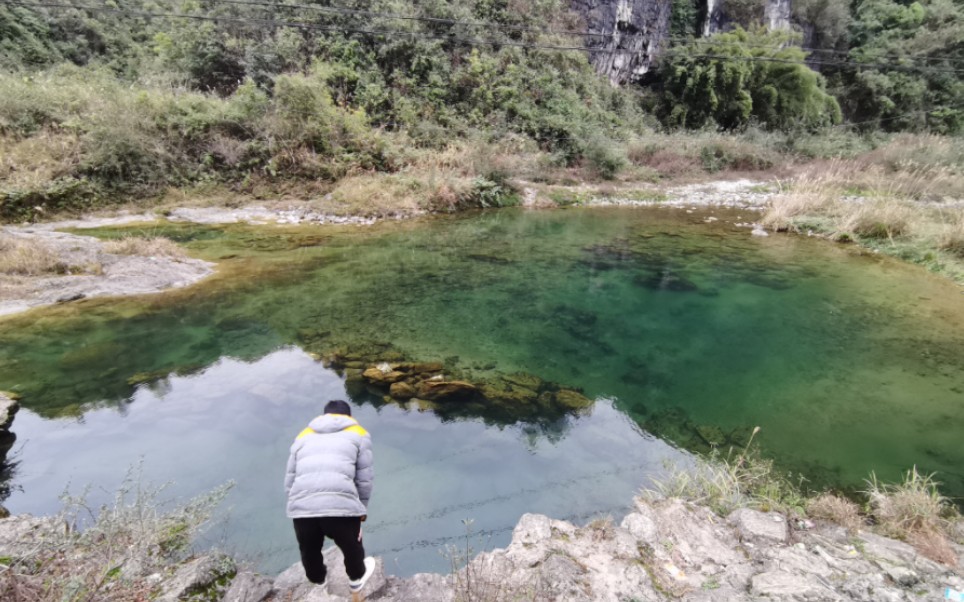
[[364, 470], [290, 471]]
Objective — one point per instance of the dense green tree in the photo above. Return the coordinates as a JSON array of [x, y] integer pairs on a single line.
[[914, 54], [733, 79]]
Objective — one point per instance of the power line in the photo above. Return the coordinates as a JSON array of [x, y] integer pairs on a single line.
[[494, 28], [518, 28], [771, 59], [448, 37]]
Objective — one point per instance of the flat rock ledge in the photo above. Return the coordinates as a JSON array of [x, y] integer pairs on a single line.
[[663, 550], [118, 275]]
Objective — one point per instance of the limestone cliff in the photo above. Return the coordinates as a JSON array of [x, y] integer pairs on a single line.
[[633, 32], [630, 34]]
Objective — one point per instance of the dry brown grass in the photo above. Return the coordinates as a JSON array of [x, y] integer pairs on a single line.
[[28, 257], [951, 235], [156, 246], [836, 509], [33, 163], [381, 195], [878, 218], [915, 511], [906, 197]]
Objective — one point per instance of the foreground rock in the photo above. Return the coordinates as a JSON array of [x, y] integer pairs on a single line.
[[663, 550], [671, 550]]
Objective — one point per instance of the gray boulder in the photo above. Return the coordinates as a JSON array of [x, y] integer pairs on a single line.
[[759, 527], [248, 587], [205, 575]]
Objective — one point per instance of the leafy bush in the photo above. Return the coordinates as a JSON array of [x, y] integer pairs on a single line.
[[728, 80]]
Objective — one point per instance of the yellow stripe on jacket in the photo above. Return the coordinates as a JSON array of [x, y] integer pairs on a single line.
[[357, 429]]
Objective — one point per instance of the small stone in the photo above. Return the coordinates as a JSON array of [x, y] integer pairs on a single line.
[[402, 390], [380, 377], [640, 526], [754, 525]]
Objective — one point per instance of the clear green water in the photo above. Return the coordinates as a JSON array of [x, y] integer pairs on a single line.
[[848, 361]]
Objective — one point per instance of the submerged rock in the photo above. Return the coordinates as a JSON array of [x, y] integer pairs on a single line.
[[572, 400], [402, 390], [524, 379], [383, 375], [446, 390], [665, 280], [712, 435]]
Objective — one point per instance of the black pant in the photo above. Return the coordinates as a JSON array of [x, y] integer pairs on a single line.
[[344, 530]]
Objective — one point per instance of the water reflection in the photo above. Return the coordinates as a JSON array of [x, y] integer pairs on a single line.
[[235, 420]]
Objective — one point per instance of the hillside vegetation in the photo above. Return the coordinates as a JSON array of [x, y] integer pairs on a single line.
[[109, 103]]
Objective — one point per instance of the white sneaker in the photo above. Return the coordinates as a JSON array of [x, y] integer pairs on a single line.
[[356, 586]]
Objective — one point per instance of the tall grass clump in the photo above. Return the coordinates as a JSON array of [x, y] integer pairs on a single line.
[[155, 246], [27, 257], [106, 553], [914, 510], [737, 480]]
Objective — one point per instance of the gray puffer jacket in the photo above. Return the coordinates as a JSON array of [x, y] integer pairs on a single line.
[[330, 469]]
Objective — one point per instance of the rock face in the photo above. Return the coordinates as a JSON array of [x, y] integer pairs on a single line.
[[8, 408], [776, 15], [663, 550], [626, 36], [631, 34]]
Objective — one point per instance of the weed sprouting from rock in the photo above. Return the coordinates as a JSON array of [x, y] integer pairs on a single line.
[[113, 552]]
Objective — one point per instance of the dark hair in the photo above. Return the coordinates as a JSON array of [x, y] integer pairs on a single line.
[[337, 406]]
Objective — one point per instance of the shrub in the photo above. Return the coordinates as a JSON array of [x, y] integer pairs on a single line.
[[605, 158], [727, 80], [110, 557]]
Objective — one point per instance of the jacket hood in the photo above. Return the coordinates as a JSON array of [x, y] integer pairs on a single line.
[[331, 423]]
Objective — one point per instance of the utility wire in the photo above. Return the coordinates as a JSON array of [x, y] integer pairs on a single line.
[[687, 41], [518, 28], [449, 37]]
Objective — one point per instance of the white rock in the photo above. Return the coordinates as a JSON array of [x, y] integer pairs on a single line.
[[777, 584], [754, 525]]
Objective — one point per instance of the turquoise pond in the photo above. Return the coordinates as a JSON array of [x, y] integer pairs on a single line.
[[685, 332]]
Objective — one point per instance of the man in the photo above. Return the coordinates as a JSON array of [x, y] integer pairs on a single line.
[[328, 484]]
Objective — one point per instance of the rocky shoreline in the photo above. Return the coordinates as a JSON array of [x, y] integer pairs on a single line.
[[665, 549]]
